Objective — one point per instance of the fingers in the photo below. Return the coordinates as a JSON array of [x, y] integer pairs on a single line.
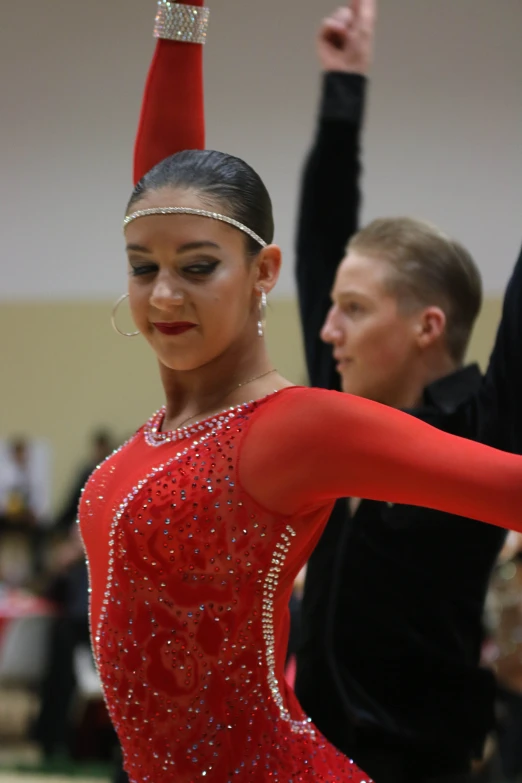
[[343, 14], [358, 13], [345, 38], [332, 25], [338, 22], [364, 12], [335, 36]]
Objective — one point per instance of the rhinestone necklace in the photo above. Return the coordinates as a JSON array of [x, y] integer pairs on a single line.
[[239, 385]]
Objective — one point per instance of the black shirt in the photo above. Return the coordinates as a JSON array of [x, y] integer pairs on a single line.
[[393, 603]]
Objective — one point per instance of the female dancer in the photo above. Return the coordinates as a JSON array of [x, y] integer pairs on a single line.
[[196, 528]]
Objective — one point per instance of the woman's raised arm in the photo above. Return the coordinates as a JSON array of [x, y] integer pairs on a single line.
[[172, 112]]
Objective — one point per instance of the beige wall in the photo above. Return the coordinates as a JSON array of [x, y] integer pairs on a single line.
[[485, 330], [65, 372]]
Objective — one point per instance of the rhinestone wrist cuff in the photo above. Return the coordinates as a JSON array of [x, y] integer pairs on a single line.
[[179, 22]]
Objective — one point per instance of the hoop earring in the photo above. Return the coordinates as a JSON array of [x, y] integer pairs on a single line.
[[261, 324], [113, 319]]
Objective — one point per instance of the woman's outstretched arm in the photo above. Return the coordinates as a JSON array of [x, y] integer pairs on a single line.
[[307, 447]]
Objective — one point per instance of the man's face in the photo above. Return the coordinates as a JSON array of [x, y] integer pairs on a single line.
[[374, 343]]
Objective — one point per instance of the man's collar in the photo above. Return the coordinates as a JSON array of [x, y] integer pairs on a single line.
[[452, 390]]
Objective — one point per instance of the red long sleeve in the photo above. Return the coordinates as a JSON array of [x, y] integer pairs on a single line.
[[306, 447], [172, 113]]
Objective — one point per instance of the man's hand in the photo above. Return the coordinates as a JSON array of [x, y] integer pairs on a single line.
[[345, 40]]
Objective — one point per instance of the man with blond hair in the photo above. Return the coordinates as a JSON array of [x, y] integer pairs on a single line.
[[388, 665]]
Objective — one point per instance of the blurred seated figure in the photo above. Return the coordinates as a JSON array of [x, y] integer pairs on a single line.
[[505, 653], [68, 588], [20, 499], [23, 512]]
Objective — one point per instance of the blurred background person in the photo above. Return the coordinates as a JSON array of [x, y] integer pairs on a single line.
[[503, 651], [24, 512], [67, 587], [20, 498], [101, 445]]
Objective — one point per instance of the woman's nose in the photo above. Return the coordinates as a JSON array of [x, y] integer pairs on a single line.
[[166, 294]]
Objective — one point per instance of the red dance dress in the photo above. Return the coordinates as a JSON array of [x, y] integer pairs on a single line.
[[194, 539]]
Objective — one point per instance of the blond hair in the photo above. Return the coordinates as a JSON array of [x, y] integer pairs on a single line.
[[428, 268]]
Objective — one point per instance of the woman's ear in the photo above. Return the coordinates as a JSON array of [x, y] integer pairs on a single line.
[[268, 266]]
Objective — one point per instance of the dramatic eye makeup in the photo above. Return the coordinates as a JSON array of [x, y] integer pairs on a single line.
[[190, 264], [193, 269], [138, 269], [200, 268]]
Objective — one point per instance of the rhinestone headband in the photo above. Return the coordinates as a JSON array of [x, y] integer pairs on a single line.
[[189, 211], [176, 22]]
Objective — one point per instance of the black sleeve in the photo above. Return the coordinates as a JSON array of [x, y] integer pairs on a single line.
[[501, 394], [328, 213]]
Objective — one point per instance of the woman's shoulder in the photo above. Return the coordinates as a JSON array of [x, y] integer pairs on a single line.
[[302, 396], [295, 406]]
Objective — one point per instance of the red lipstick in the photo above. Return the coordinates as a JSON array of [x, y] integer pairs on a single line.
[[177, 327]]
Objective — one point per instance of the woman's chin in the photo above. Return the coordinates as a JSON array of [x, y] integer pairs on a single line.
[[180, 363]]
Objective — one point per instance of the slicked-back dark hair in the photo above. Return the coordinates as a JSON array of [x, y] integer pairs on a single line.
[[226, 183]]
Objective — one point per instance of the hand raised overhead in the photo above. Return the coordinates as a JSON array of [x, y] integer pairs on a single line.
[[345, 39]]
